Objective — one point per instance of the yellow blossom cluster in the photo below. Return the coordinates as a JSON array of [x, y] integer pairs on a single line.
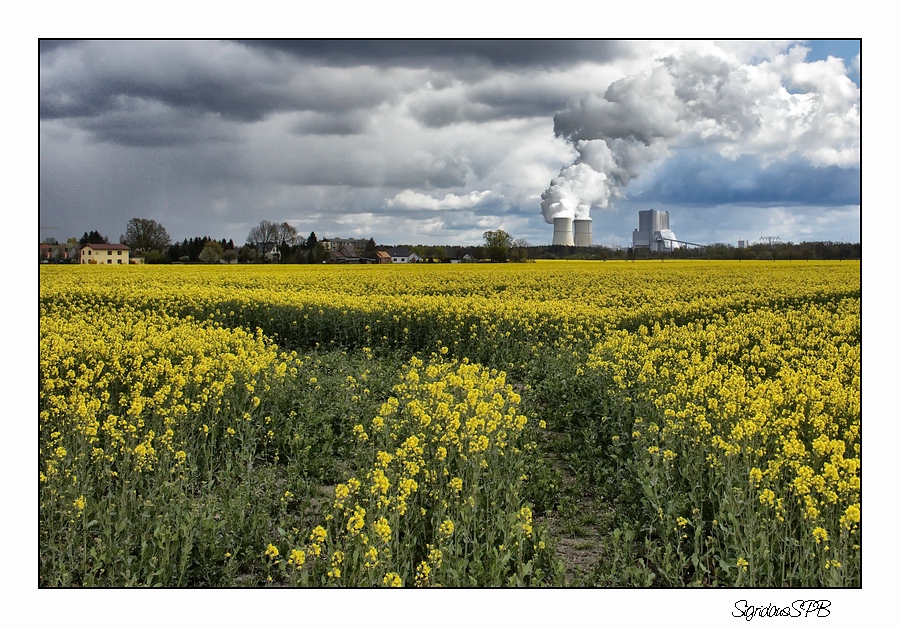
[[134, 402], [490, 313], [130, 390], [448, 435], [764, 401]]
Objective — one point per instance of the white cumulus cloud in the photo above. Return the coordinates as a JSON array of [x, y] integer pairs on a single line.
[[408, 199]]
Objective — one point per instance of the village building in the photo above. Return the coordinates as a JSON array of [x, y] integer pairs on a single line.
[[106, 254]]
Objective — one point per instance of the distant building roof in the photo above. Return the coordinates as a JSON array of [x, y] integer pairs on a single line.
[[345, 252], [107, 246]]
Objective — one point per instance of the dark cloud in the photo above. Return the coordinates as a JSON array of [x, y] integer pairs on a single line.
[[227, 79], [91, 78], [487, 101], [446, 110], [450, 53], [340, 123], [156, 125]]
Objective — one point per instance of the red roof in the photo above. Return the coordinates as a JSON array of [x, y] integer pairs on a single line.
[[107, 246]]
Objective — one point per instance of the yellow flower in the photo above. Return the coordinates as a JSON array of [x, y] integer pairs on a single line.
[[341, 492], [851, 515], [371, 557], [318, 534], [383, 529], [423, 572], [446, 528], [357, 520], [380, 482], [755, 475], [297, 557], [392, 580], [272, 551]]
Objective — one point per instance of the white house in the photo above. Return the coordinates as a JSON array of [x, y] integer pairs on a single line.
[[403, 255]]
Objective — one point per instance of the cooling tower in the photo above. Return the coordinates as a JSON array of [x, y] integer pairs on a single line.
[[583, 235], [562, 232]]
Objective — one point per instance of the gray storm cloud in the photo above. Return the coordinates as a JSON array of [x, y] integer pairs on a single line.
[[774, 110]]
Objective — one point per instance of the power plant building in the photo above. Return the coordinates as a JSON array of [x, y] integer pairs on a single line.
[[654, 232]]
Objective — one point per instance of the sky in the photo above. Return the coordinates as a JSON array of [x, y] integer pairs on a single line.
[[438, 141]]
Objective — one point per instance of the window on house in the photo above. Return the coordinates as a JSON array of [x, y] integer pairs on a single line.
[[120, 253], [109, 261]]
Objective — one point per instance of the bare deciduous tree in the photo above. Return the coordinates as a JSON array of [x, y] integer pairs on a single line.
[[145, 235], [264, 237]]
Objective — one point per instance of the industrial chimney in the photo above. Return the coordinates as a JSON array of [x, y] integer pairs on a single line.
[[583, 235], [562, 232]]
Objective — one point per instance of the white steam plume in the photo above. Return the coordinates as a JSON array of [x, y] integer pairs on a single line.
[[774, 110]]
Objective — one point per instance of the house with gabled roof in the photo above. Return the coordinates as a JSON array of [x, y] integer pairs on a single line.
[[403, 255], [345, 254], [105, 254], [59, 253]]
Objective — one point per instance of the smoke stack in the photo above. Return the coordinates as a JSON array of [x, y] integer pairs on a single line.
[[562, 232], [583, 235]]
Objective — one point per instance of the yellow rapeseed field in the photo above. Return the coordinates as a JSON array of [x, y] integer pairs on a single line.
[[381, 425]]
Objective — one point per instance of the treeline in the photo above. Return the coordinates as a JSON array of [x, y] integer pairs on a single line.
[[271, 242], [787, 251], [190, 250], [205, 249], [309, 250]]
